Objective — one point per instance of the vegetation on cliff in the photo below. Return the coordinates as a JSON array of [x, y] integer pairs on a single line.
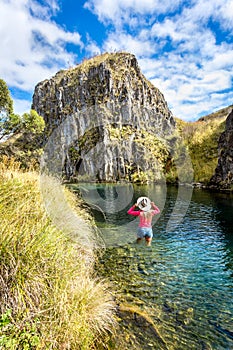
[[201, 139], [49, 296]]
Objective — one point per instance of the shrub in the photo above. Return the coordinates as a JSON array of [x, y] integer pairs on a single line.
[[49, 297]]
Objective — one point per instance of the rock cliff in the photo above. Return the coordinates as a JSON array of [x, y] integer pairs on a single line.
[[223, 176], [105, 121]]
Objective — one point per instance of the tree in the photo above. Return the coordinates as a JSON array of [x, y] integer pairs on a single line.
[[6, 108], [33, 122], [30, 123], [6, 103], [11, 123]]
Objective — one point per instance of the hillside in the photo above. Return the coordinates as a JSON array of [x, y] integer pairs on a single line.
[[201, 138], [221, 113]]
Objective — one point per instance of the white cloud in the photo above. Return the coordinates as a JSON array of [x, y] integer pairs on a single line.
[[184, 48], [92, 47], [22, 106], [50, 7], [222, 60], [122, 11], [126, 42], [189, 64], [216, 80], [104, 9], [191, 88], [224, 14], [172, 29], [32, 48]]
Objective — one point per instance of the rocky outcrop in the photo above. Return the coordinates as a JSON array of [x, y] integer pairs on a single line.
[[105, 120], [223, 177], [221, 113]]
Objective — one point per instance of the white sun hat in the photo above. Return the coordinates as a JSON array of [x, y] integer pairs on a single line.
[[144, 203]]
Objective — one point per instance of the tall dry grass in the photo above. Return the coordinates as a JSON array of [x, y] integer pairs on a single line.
[[49, 297]]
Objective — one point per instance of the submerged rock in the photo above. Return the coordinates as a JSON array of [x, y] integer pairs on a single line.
[[139, 329]]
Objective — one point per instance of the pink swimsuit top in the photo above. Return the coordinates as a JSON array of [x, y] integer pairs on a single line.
[[143, 221]]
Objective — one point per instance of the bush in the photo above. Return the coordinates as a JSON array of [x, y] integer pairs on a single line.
[[49, 297]]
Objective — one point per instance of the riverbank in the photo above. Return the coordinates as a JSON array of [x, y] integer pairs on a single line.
[[50, 297]]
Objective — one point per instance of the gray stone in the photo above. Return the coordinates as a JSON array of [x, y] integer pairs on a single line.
[[223, 176], [100, 116]]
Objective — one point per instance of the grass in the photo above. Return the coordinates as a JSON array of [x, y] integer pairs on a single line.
[[49, 295]]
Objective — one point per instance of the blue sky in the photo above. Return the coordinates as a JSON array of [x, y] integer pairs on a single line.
[[185, 48]]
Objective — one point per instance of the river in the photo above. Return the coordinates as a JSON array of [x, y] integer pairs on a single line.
[[184, 280]]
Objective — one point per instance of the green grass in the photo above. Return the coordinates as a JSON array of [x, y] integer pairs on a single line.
[[49, 296]]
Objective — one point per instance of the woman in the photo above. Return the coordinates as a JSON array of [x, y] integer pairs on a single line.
[[147, 210]]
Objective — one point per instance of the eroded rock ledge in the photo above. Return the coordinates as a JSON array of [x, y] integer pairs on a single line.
[[107, 122], [223, 177]]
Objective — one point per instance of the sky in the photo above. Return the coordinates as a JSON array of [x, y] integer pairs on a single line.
[[184, 47]]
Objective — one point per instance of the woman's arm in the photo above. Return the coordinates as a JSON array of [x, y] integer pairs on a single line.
[[133, 212], [155, 208]]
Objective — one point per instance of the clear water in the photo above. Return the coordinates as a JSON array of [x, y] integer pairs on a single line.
[[185, 279]]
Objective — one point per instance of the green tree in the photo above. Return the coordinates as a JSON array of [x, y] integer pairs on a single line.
[[11, 123], [6, 103], [33, 122]]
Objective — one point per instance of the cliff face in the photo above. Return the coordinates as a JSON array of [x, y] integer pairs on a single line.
[[105, 121], [223, 176]]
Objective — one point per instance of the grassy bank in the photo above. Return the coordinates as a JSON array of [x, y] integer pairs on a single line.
[[49, 296]]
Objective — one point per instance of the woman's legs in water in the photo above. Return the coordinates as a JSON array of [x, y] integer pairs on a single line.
[[148, 240]]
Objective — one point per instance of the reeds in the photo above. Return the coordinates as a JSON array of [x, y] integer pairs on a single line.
[[49, 297]]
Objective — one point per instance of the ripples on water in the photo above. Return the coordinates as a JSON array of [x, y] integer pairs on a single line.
[[185, 279]]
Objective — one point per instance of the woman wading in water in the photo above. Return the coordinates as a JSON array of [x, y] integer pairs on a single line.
[[147, 210]]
